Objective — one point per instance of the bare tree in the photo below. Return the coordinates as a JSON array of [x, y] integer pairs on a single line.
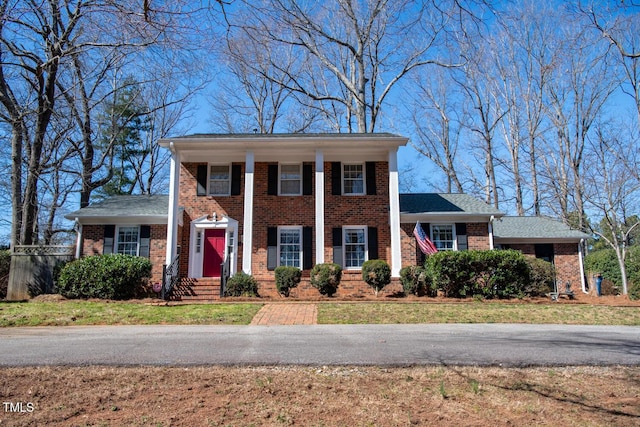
[[437, 126], [254, 99], [523, 53], [32, 59], [355, 51], [612, 189], [582, 83], [620, 27], [484, 111]]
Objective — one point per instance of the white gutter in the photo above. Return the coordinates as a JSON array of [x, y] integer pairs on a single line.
[[581, 262], [78, 239], [491, 245]]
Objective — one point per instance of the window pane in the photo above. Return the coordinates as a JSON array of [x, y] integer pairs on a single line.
[[219, 180], [443, 237], [128, 240], [353, 179], [290, 247], [354, 247], [290, 179]]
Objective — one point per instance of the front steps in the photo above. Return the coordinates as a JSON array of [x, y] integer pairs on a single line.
[[203, 289]]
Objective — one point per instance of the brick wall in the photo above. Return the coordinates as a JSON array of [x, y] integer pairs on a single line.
[[92, 240], [93, 244], [273, 211], [411, 254], [196, 206], [369, 210], [478, 236], [566, 260]]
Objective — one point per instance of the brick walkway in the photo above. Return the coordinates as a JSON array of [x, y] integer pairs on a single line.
[[286, 314]]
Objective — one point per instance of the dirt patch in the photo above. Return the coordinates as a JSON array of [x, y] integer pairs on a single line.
[[327, 396]]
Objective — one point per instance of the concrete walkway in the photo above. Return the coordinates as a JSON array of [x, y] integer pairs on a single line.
[[286, 314]]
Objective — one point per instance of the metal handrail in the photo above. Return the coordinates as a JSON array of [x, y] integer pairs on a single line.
[[224, 275], [170, 277]]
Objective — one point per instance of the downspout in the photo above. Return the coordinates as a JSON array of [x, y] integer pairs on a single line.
[[491, 246], [78, 238], [581, 263]]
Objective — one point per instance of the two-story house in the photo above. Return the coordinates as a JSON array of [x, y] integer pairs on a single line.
[[254, 202], [260, 201]]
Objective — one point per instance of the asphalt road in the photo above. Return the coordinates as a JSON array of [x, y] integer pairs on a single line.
[[382, 345]]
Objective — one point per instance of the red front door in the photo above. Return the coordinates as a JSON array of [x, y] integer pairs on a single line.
[[213, 252]]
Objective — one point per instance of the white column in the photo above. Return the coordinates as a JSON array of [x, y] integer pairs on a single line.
[[394, 214], [172, 215], [319, 207], [491, 244], [247, 233], [78, 239], [581, 262]]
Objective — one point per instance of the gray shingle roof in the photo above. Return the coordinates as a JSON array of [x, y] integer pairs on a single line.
[[139, 205], [531, 227], [445, 203]]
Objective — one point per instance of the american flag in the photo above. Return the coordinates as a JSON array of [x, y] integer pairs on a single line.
[[426, 246]]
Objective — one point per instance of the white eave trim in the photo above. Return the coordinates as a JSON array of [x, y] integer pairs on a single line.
[[130, 219], [447, 216], [530, 240]]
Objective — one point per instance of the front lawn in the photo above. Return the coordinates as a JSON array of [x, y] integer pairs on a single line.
[[477, 312], [65, 313]]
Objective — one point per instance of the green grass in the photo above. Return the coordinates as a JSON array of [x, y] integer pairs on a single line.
[[122, 313], [565, 314]]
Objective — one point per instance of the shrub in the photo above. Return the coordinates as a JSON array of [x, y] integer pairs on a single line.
[[634, 291], [451, 272], [104, 276], [543, 274], [5, 264], [241, 284], [377, 274], [501, 274], [606, 263], [326, 278], [287, 278], [415, 281]]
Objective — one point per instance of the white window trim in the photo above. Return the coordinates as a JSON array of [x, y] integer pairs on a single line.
[[453, 233], [117, 238], [344, 245], [209, 193], [292, 227], [364, 178], [299, 193], [201, 225]]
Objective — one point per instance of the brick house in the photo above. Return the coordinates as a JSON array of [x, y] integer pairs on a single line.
[[253, 202], [131, 224], [548, 239]]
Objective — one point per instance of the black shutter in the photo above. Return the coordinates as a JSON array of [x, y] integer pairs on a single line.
[[307, 173], [272, 248], [145, 240], [372, 239], [337, 246], [370, 172], [236, 173], [272, 180], [336, 178], [201, 178], [107, 244], [307, 248], [461, 236], [427, 229]]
